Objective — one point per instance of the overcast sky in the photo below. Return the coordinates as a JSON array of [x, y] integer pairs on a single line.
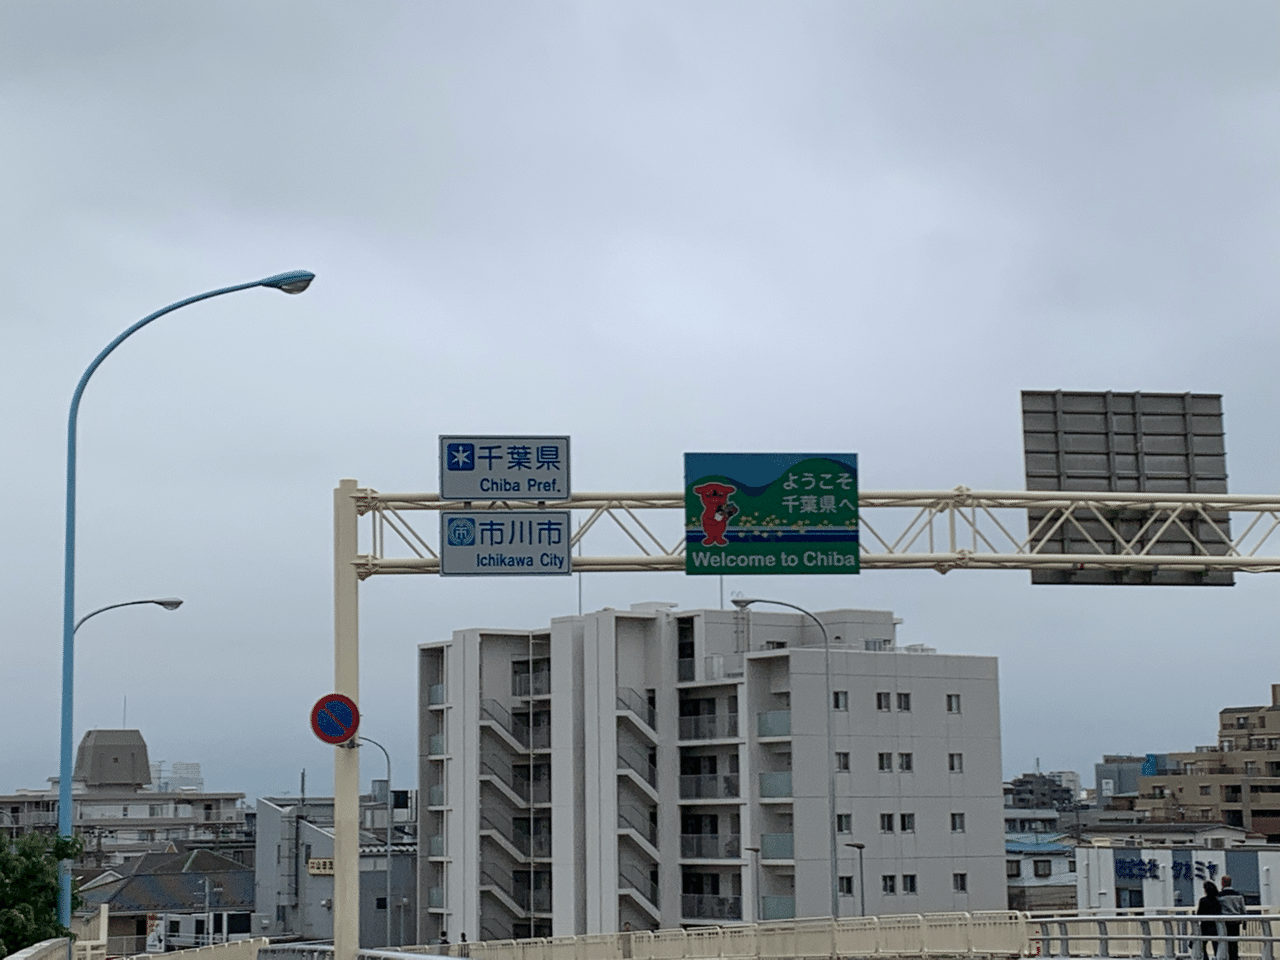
[[657, 227]]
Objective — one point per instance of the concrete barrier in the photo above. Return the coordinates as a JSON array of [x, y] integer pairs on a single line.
[[232, 950]]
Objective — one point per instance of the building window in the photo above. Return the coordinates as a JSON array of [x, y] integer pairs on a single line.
[[1013, 868], [1071, 866], [908, 822], [957, 823], [380, 903], [842, 760], [886, 823], [889, 884], [1206, 790], [1262, 721], [846, 886], [883, 701], [1250, 768], [908, 883], [955, 762], [953, 703], [904, 761], [1042, 868], [960, 882], [904, 702], [1226, 745], [840, 700], [1242, 723], [886, 761], [844, 823]]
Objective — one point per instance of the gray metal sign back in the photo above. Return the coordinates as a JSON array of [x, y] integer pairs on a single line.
[[1155, 443]]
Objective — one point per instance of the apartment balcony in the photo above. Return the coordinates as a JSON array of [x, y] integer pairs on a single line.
[[531, 684], [777, 846], [629, 699], [44, 818], [435, 694], [710, 846], [774, 723], [706, 786], [685, 669], [777, 908], [435, 795], [435, 745], [701, 906], [722, 726], [435, 898], [774, 785]]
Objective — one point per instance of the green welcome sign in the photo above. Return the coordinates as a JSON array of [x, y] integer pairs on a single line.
[[771, 513]]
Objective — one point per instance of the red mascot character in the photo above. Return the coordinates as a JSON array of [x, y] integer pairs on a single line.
[[717, 511]]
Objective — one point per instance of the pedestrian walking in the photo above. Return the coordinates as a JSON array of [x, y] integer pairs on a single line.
[[1209, 906], [1232, 902]]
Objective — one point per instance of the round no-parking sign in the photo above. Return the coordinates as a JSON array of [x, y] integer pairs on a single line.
[[335, 718]]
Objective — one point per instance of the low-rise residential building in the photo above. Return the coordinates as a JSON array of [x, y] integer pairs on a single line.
[[116, 811], [159, 902], [1040, 872], [1035, 791], [294, 872], [1235, 781]]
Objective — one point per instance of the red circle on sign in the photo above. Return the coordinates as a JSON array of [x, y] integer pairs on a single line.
[[335, 718]]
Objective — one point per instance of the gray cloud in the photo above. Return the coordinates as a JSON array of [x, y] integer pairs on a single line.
[[659, 227]]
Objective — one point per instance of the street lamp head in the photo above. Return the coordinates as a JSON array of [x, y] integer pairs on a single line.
[[294, 281], [169, 603], [743, 602], [857, 846]]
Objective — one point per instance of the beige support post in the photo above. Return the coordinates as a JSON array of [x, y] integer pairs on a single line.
[[346, 761]]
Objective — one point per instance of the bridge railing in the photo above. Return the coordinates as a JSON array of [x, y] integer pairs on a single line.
[[994, 934]]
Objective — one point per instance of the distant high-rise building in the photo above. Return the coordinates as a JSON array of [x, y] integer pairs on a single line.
[[182, 776], [657, 768]]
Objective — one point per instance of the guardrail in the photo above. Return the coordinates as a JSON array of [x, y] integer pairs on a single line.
[[1169, 936]]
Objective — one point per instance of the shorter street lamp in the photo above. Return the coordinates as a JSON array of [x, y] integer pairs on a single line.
[[862, 887], [169, 603], [742, 603]]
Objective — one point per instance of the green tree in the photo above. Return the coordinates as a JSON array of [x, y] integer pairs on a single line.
[[29, 889]]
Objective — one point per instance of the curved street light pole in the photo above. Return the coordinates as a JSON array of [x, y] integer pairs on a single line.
[[294, 281], [742, 603], [169, 603], [388, 756]]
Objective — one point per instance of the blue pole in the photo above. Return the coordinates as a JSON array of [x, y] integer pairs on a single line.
[[293, 282]]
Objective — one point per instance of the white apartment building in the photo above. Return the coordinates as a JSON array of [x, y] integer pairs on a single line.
[[657, 768]]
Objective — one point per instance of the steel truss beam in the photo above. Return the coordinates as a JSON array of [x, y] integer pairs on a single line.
[[912, 529]]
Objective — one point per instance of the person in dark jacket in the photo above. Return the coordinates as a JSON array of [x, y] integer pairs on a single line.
[[1209, 906], [1232, 902]]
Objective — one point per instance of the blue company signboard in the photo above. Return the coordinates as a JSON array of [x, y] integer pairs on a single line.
[[766, 513], [504, 468], [504, 543]]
